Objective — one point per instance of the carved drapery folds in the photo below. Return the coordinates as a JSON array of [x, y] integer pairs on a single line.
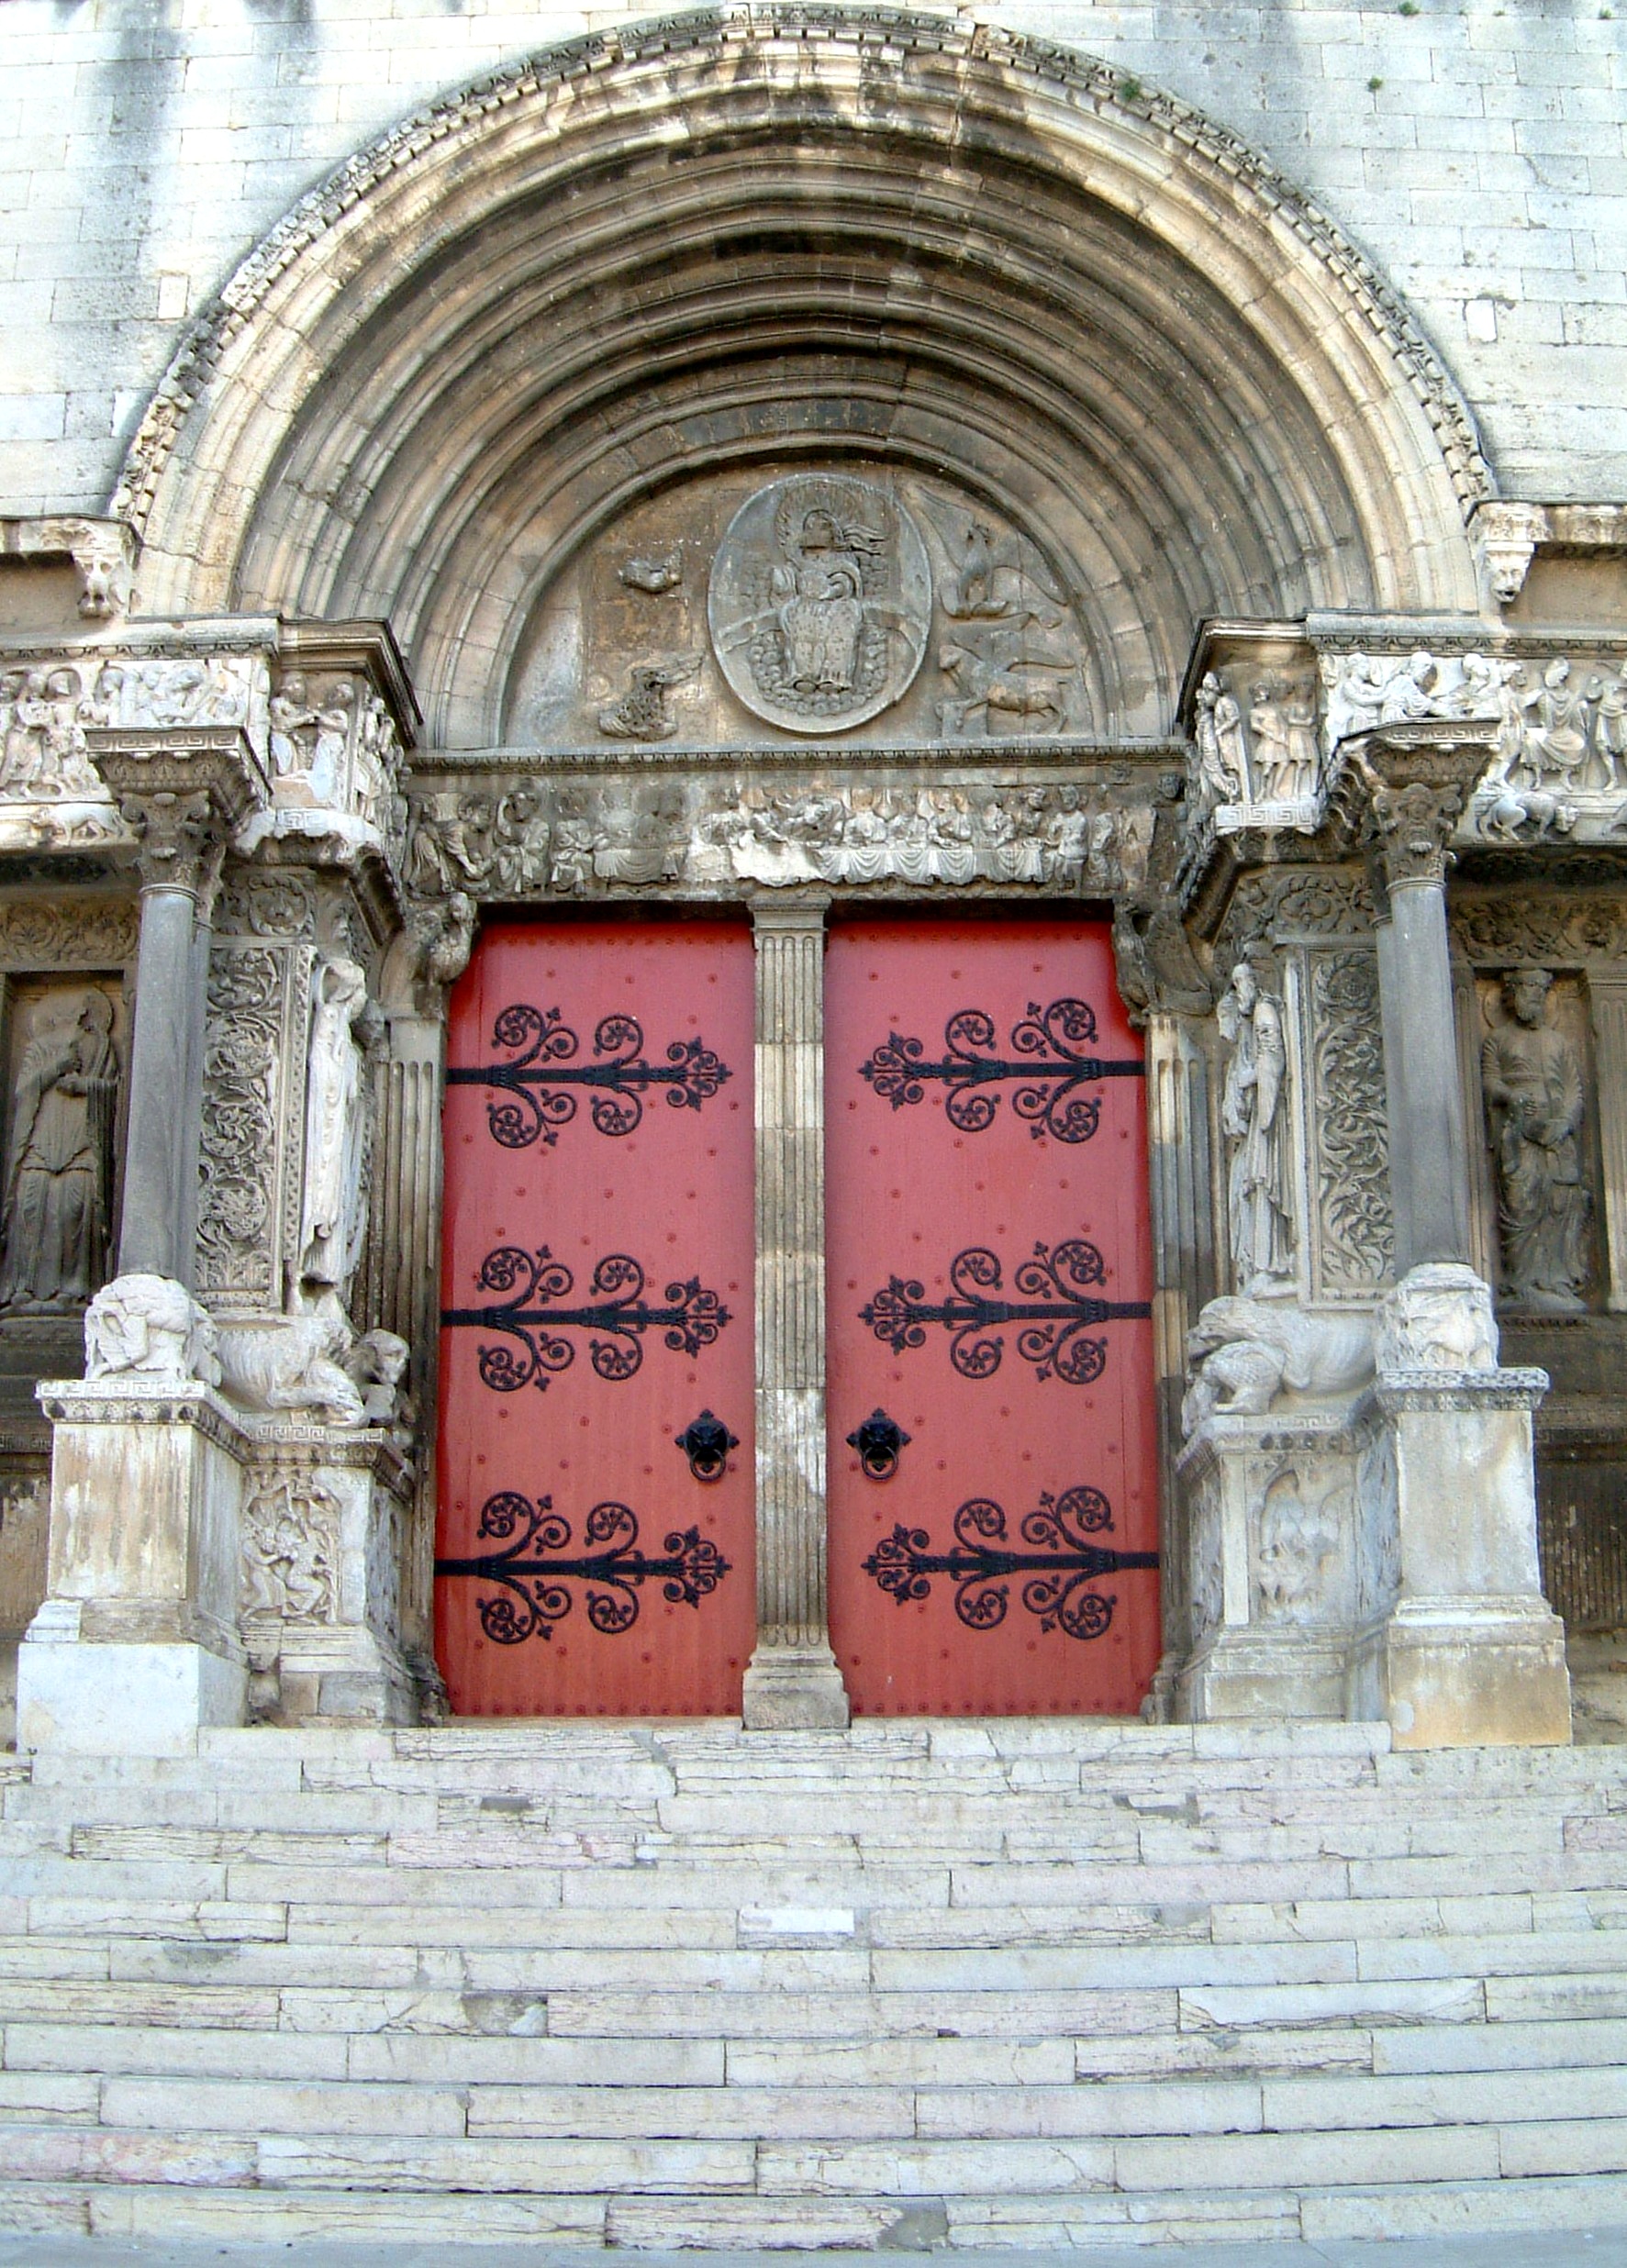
[[1255, 1119], [57, 1222], [1532, 1077]]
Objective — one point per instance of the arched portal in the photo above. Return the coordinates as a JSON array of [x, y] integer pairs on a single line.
[[904, 242]]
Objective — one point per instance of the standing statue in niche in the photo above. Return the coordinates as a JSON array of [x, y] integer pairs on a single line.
[[1253, 1114], [332, 1218], [59, 1181], [1532, 1078]]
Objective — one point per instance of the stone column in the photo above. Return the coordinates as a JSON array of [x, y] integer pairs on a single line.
[[1607, 998], [792, 1679], [1470, 1654], [136, 1643]]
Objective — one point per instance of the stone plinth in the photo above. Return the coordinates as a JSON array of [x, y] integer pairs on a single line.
[[1472, 1655], [1285, 1555], [136, 1646], [324, 1519]]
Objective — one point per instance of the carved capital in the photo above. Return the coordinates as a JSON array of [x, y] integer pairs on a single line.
[[1420, 776], [179, 850], [183, 791]]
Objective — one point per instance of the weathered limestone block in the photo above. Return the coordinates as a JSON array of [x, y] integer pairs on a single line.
[[136, 1643], [1472, 1654], [323, 1532], [1287, 1558]]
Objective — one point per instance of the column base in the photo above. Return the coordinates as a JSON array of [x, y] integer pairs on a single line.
[[337, 1676], [119, 1700], [1255, 1674], [1451, 1675], [794, 1689]]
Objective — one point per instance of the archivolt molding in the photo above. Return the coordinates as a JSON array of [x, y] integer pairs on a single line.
[[304, 449]]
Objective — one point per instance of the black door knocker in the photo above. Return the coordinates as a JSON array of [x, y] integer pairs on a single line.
[[878, 1441], [706, 1442]]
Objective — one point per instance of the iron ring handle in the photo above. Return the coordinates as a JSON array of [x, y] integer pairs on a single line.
[[706, 1442]]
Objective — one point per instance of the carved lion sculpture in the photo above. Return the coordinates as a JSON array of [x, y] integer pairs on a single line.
[[150, 1325], [1247, 1352], [376, 1364], [291, 1365]]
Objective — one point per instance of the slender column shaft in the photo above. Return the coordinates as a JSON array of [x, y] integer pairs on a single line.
[[793, 1678], [1608, 999], [160, 1147], [1428, 1142]]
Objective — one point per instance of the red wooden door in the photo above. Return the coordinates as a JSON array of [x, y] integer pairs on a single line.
[[597, 1289], [989, 1278]]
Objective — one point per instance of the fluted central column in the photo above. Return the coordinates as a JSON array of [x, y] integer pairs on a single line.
[[793, 1679]]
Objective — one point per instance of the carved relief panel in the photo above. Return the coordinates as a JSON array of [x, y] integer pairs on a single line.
[[1539, 1118], [254, 1052], [65, 1045], [816, 603], [1308, 937]]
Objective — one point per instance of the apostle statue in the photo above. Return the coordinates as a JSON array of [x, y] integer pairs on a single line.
[[1533, 1080], [59, 1181], [1253, 1116], [331, 1217]]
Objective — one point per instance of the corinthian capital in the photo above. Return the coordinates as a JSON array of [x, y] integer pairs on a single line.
[[1420, 776], [180, 847], [184, 789]]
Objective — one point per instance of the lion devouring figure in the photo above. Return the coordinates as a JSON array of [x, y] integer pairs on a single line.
[[1244, 1352]]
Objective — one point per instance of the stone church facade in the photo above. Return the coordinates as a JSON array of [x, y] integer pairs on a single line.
[[1108, 474]]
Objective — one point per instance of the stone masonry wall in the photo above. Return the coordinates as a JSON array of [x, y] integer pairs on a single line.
[[1474, 151]]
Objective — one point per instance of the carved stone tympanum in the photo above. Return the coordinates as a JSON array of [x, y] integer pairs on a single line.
[[821, 602]]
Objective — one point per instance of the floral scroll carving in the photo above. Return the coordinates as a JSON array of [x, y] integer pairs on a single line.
[[238, 1176], [1347, 1065]]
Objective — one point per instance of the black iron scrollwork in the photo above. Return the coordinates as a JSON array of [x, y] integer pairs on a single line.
[[539, 1315], [878, 1441], [1048, 1059], [538, 1086], [1061, 1563], [1056, 1307], [705, 1441], [536, 1567]]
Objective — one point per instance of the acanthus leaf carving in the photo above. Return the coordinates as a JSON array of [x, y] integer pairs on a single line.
[[82, 935]]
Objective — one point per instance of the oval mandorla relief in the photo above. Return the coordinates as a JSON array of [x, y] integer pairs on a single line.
[[821, 602]]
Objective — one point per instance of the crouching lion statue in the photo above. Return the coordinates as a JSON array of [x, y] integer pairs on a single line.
[[1245, 1352]]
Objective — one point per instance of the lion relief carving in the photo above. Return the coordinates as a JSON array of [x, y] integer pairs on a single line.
[[1244, 1352]]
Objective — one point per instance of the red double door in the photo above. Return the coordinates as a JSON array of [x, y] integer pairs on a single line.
[[992, 1515]]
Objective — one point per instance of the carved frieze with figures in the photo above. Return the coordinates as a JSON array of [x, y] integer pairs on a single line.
[[711, 835]]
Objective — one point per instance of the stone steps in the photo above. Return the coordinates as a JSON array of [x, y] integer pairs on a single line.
[[1018, 1984]]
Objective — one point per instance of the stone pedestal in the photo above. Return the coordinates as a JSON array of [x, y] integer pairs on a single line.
[[1285, 1561], [792, 1680], [136, 1646], [1472, 1654], [325, 1514]]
